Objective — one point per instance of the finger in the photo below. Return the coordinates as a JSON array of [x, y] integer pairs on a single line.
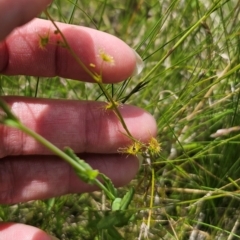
[[85, 126], [19, 231], [16, 13], [38, 177], [23, 55]]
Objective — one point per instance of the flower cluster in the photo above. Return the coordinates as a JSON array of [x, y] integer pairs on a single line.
[[153, 147]]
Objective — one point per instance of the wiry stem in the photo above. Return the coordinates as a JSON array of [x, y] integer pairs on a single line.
[[97, 78]]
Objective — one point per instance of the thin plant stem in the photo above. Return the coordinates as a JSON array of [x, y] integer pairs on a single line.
[[152, 197], [13, 121], [188, 32], [61, 154], [96, 78]]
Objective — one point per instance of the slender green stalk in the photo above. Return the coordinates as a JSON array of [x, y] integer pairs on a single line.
[[152, 197], [95, 77], [180, 41], [116, 110], [12, 121], [73, 11], [62, 155], [49, 146]]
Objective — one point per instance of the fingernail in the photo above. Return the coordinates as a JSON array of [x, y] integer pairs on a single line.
[[139, 64]]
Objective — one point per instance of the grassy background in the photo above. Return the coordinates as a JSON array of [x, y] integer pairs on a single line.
[[191, 79]]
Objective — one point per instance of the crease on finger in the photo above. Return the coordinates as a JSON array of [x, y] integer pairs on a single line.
[[4, 59]]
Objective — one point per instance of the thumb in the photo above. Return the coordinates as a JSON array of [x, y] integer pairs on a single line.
[[12, 231]]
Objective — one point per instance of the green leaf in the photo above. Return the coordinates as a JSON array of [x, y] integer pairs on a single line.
[[126, 200], [116, 218], [114, 234], [50, 203], [116, 204], [84, 170], [109, 185]]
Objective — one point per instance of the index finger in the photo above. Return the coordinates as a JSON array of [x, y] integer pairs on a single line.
[[16, 13], [22, 54]]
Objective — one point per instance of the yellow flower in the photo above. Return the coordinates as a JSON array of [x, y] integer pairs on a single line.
[[43, 41], [110, 106], [154, 146], [106, 57], [133, 149]]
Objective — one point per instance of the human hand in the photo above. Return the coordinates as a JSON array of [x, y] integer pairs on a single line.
[[27, 169]]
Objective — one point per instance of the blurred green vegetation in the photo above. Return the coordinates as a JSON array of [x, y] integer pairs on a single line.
[[191, 89]]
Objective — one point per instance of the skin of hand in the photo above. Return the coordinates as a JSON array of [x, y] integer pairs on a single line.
[[27, 169]]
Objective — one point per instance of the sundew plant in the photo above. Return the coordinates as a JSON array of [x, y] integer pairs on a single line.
[[188, 184]]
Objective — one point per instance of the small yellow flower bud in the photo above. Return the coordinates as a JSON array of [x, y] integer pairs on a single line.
[[43, 41], [134, 149], [106, 57], [154, 147], [110, 106]]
